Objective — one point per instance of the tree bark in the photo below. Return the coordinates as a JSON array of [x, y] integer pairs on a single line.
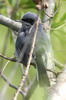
[[49, 52], [10, 23], [58, 91]]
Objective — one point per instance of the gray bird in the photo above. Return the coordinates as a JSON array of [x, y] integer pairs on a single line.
[[24, 42]]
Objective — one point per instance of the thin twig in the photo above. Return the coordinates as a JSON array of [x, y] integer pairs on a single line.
[[14, 60], [7, 58], [55, 11], [11, 85], [51, 16], [11, 59], [58, 64], [57, 27], [52, 71], [5, 66]]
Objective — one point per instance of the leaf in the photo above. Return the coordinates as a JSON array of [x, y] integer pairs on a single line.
[[10, 1]]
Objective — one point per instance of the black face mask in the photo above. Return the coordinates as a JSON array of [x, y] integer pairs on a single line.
[[29, 20]]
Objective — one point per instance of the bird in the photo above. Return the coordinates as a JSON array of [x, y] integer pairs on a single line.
[[23, 46]]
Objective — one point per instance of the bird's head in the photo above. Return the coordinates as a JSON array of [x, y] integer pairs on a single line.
[[29, 18]]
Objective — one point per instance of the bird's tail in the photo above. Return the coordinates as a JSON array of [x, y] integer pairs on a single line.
[[42, 74]]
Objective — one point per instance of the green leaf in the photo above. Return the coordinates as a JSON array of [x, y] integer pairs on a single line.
[[10, 1]]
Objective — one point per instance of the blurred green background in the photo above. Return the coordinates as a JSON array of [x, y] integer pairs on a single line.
[[15, 9]]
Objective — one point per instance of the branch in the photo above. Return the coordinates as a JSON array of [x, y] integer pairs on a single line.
[[57, 63], [10, 23], [14, 60], [11, 59], [49, 51]]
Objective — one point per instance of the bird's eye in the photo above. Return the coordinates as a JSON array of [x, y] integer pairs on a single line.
[[29, 20]]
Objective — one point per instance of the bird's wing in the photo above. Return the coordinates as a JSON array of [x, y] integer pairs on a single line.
[[19, 44]]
